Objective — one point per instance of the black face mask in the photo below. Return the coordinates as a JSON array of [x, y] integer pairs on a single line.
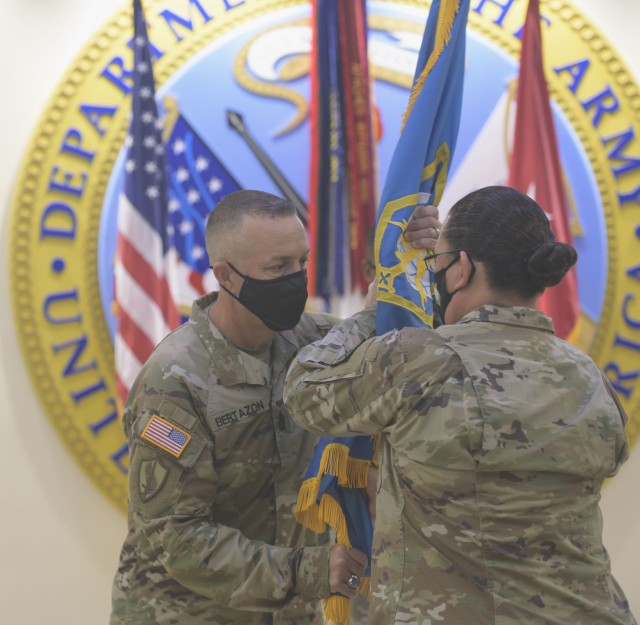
[[443, 297], [278, 303]]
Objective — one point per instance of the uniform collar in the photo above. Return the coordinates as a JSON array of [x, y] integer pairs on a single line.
[[230, 364], [510, 315]]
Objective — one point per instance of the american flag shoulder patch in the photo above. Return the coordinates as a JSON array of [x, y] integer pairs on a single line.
[[165, 435]]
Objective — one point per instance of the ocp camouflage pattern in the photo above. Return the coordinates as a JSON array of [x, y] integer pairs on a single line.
[[496, 438], [212, 538]]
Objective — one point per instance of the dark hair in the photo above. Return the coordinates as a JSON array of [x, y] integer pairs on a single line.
[[233, 207], [509, 232], [231, 210]]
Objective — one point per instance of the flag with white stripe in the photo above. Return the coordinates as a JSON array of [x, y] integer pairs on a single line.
[[197, 181], [146, 310], [163, 434]]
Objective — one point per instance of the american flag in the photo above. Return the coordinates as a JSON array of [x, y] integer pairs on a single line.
[[146, 309], [166, 436], [197, 182]]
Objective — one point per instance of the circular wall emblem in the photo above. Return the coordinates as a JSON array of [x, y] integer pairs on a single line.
[[233, 75]]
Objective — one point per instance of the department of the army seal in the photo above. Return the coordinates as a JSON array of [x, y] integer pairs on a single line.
[[252, 56]]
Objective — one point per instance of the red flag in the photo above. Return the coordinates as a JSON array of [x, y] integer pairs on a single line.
[[535, 165], [359, 131], [342, 179], [314, 176]]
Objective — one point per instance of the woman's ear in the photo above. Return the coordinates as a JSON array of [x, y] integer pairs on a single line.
[[460, 273]]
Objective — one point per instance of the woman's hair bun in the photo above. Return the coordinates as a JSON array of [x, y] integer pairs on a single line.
[[549, 263]]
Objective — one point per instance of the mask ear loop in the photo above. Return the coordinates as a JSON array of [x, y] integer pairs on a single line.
[[224, 288], [473, 271], [443, 272], [232, 267], [473, 267], [451, 264], [235, 297]]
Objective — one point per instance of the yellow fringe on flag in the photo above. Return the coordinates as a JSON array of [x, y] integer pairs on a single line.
[[446, 17], [365, 586], [337, 609], [330, 512], [335, 458], [316, 516], [352, 473], [357, 473], [307, 512]]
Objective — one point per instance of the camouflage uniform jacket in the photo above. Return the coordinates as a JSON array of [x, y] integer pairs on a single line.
[[212, 537], [496, 437]]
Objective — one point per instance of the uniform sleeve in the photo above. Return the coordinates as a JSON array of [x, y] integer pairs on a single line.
[[172, 487], [314, 326], [346, 383], [339, 338], [622, 446]]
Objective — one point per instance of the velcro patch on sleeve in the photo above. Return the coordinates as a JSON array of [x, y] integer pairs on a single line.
[[165, 435]]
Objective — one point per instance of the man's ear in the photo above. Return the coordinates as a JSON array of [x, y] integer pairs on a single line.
[[222, 272]]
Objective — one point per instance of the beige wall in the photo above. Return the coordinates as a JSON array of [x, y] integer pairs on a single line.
[[59, 538]]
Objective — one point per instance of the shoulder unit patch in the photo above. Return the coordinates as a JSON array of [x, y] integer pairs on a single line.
[[152, 477]]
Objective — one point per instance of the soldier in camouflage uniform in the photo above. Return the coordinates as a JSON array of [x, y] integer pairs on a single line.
[[496, 435], [216, 461]]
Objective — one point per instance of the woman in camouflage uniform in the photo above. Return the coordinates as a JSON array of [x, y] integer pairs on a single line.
[[496, 435]]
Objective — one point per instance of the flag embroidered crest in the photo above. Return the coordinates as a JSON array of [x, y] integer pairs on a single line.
[[163, 434]]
